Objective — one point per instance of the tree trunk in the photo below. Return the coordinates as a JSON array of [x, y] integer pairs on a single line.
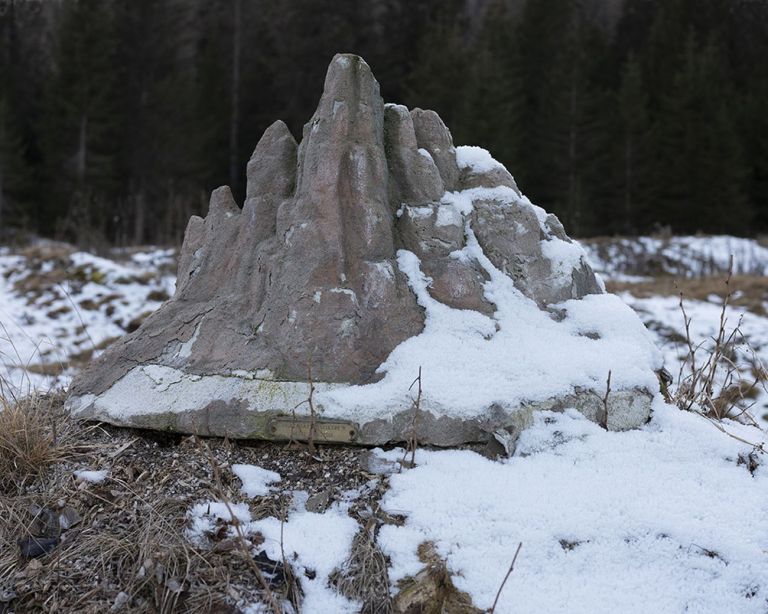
[[138, 218], [2, 198], [628, 184], [234, 121], [573, 205], [82, 144]]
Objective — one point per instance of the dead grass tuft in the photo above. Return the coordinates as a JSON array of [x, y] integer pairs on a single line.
[[68, 545], [711, 379], [124, 558], [47, 369], [364, 576], [432, 590], [35, 432]]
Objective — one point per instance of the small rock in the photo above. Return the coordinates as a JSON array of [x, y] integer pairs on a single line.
[[32, 547], [7, 595], [45, 522], [173, 585], [225, 545], [507, 440], [68, 518], [319, 503], [121, 601], [372, 463]]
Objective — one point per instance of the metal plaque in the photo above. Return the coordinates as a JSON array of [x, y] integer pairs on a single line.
[[326, 431]]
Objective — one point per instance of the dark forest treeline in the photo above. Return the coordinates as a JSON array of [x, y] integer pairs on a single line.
[[117, 117]]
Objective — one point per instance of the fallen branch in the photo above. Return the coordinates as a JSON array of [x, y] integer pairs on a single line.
[[242, 543], [504, 581]]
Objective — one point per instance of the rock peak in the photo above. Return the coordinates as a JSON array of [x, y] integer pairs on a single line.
[[371, 244]]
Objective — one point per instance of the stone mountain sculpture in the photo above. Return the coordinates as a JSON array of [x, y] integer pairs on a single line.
[[373, 248]]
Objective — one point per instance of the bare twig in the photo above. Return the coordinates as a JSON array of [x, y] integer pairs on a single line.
[[79, 316], [504, 581], [310, 402], [312, 412], [287, 569], [714, 385], [602, 420], [242, 543], [413, 440], [714, 388]]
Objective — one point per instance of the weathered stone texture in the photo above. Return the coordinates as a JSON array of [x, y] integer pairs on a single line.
[[306, 271]]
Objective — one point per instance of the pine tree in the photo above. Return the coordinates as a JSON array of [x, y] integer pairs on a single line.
[[701, 175], [748, 48], [563, 118], [492, 98], [79, 123], [13, 171], [632, 151], [443, 64], [160, 158], [755, 138]]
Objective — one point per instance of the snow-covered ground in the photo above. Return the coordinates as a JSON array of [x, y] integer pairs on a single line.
[[672, 517], [59, 307], [661, 519], [635, 264], [691, 256]]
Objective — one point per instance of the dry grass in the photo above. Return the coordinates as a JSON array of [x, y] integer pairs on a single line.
[[34, 433], [748, 291], [47, 369], [723, 376], [364, 577], [431, 590], [138, 560], [128, 550], [710, 378], [711, 381]]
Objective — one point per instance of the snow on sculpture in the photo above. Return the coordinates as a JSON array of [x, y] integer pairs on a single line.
[[370, 250]]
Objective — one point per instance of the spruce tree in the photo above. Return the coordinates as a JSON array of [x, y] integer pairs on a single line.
[[443, 68], [80, 123], [13, 171], [160, 158], [631, 161], [700, 171], [492, 98], [562, 115]]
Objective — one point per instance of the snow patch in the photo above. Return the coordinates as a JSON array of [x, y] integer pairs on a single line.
[[471, 362], [564, 256], [314, 545], [633, 259], [99, 301], [185, 349], [660, 519], [255, 479], [204, 517], [476, 159], [95, 477], [318, 543]]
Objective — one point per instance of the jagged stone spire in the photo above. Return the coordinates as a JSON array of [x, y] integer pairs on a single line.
[[306, 273]]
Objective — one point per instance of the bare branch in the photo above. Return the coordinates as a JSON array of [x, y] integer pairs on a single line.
[[504, 581]]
